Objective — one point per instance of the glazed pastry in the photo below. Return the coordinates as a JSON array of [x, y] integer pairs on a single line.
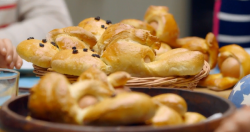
[[173, 101], [38, 52], [163, 49], [69, 37], [139, 25], [233, 63], [87, 102], [165, 116], [108, 34], [124, 109], [208, 46], [95, 25], [76, 61], [164, 23], [54, 99], [138, 48], [193, 117]]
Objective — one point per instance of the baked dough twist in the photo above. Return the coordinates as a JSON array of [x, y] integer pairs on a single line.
[[133, 51], [54, 99], [164, 23], [68, 37], [108, 34], [233, 63], [95, 25], [208, 46]]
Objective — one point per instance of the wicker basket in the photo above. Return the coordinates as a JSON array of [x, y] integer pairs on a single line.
[[188, 82]]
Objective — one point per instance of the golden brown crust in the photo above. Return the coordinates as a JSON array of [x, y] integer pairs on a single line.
[[193, 117], [173, 101], [66, 62], [31, 51], [54, 99], [208, 46], [133, 51], [76, 33], [166, 28], [218, 82], [164, 48], [108, 34], [165, 116], [233, 63], [139, 25], [239, 54], [127, 108], [118, 79], [177, 62], [94, 26]]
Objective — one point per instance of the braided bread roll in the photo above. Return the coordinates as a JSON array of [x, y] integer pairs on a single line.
[[233, 63], [164, 23], [208, 46], [68, 37], [108, 34], [133, 51], [163, 49], [37, 52], [87, 102], [96, 26], [54, 99]]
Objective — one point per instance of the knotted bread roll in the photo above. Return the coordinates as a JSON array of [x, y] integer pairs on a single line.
[[108, 34], [68, 37], [37, 52], [132, 51], [164, 23], [87, 102], [54, 99], [208, 46], [95, 25], [233, 63]]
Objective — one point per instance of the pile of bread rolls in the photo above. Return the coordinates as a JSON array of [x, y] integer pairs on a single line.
[[131, 45], [98, 99]]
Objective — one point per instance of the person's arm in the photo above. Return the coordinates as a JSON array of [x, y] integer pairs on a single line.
[[38, 17]]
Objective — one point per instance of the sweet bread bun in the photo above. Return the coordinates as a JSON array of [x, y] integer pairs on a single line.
[[108, 34], [118, 79], [139, 25], [37, 52], [165, 116], [235, 57], [163, 49], [133, 51], [124, 109], [68, 62], [173, 101], [233, 63], [95, 25], [208, 46], [164, 23], [66, 38], [193, 117], [177, 62]]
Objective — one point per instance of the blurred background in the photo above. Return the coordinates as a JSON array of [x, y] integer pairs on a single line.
[[194, 17]]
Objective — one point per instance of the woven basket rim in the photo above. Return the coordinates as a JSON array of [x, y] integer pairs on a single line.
[[187, 82]]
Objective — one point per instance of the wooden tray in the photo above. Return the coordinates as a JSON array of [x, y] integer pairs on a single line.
[[14, 112]]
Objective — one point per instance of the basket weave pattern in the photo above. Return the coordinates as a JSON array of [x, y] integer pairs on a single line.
[[188, 82]]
